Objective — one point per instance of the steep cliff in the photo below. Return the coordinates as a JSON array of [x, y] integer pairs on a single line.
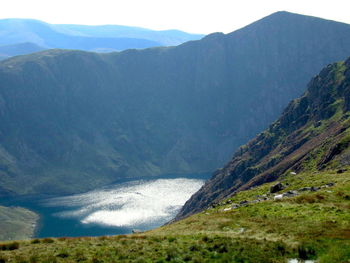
[[312, 134]]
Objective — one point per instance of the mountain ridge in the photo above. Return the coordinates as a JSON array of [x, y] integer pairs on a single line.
[[70, 115]]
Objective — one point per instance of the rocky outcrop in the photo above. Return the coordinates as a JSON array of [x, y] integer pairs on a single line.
[[312, 133], [276, 188]]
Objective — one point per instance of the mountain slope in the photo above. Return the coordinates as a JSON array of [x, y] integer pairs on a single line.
[[90, 38], [312, 134], [17, 223], [73, 120]]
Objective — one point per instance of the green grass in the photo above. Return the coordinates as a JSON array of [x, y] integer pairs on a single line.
[[312, 225]]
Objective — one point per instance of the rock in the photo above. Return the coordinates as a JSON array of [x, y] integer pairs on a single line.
[[241, 230], [234, 206], [314, 188], [330, 184], [276, 188], [227, 209], [136, 231], [290, 194], [340, 171], [245, 202], [278, 197], [305, 189]]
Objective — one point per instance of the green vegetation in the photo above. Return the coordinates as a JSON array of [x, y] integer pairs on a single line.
[[312, 225], [16, 223]]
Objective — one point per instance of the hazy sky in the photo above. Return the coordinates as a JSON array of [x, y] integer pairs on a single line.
[[196, 16]]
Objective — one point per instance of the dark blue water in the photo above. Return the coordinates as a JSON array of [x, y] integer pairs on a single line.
[[53, 224]]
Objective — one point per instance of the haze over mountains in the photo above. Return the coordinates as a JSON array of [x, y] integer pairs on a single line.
[[73, 120], [24, 36]]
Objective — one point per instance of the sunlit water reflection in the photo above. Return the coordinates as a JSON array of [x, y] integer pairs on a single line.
[[137, 204]]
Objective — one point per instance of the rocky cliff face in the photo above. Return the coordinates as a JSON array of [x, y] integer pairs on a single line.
[[72, 120], [312, 134]]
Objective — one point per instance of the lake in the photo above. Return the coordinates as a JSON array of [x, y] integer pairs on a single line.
[[114, 209]]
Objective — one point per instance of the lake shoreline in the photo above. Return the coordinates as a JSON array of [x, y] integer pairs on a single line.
[[51, 222]]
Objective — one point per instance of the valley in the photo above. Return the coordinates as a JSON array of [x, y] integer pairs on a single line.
[[73, 121], [113, 143]]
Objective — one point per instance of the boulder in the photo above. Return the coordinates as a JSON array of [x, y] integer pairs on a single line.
[[314, 188], [245, 202], [278, 197], [290, 194], [305, 189], [276, 188], [340, 171]]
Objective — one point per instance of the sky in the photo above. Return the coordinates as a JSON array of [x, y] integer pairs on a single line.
[[194, 16]]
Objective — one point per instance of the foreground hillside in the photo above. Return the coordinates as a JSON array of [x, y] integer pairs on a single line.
[[312, 224], [73, 121], [312, 134]]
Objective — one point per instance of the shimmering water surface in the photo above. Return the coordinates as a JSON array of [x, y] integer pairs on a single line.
[[116, 209]]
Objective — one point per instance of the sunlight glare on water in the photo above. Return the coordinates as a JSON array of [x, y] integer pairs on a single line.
[[133, 204]]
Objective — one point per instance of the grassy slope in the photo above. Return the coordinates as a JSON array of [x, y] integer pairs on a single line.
[[311, 225], [16, 223]]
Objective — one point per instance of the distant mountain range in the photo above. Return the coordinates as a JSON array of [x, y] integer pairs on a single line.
[[74, 120], [18, 34]]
